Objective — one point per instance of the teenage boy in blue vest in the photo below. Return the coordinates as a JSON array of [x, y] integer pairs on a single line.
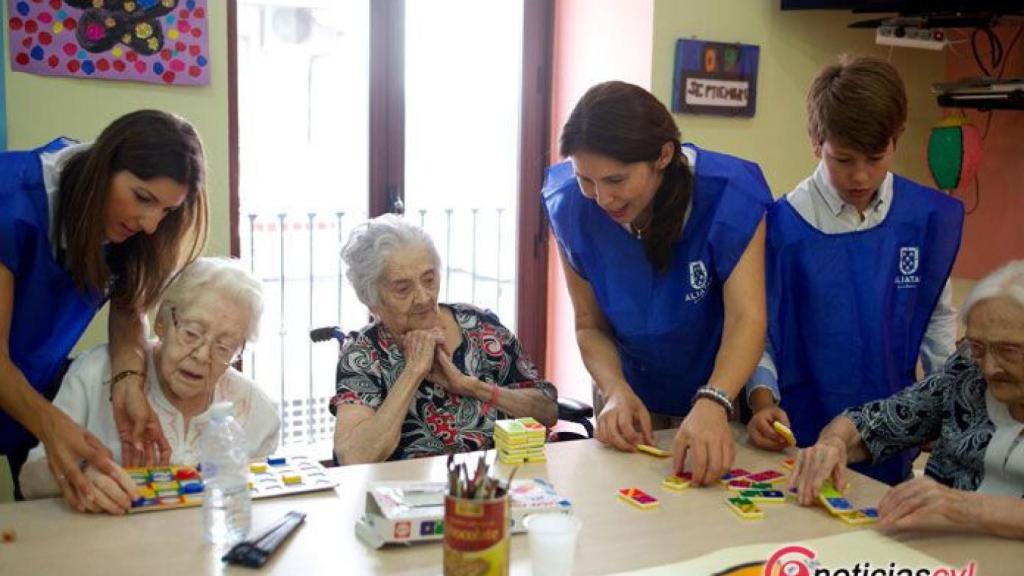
[[857, 266]]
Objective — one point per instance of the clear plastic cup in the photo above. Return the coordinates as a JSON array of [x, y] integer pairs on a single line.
[[552, 540]]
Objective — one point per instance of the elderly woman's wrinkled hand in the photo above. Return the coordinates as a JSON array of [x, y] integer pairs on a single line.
[[418, 348], [113, 493], [826, 459], [924, 504], [447, 375]]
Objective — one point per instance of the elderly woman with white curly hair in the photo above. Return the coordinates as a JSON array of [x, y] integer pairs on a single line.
[[423, 378], [206, 315], [973, 410]]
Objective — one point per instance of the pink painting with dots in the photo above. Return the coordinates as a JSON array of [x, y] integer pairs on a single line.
[[158, 41]]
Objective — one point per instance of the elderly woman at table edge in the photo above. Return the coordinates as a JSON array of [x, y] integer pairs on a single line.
[[974, 412], [206, 316], [423, 378]]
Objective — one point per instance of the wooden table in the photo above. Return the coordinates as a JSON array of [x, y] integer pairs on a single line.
[[51, 539]]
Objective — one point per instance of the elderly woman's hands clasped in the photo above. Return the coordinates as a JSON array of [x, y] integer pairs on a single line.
[[428, 356]]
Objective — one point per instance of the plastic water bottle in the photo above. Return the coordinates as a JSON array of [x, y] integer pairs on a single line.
[[227, 505]]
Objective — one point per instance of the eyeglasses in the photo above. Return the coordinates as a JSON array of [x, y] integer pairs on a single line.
[[192, 335], [1004, 353]]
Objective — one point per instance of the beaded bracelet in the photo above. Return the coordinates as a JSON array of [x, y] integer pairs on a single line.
[[495, 391], [716, 395]]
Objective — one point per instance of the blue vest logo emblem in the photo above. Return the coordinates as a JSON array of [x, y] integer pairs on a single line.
[[908, 260], [698, 275]]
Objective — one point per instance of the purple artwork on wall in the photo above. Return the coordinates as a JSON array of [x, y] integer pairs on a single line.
[[157, 41]]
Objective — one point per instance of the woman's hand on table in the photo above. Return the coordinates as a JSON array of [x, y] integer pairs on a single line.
[[68, 445], [624, 421], [114, 492], [705, 439], [924, 504], [760, 428], [825, 460]]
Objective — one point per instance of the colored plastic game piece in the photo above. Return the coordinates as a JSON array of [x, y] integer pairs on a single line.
[[789, 463], [768, 496], [9, 535], [186, 474], [294, 479], [279, 461], [676, 483], [191, 487], [653, 450], [744, 484], [744, 508], [785, 432], [639, 498], [734, 474], [767, 476], [164, 486], [828, 490], [836, 506], [257, 468], [859, 517]]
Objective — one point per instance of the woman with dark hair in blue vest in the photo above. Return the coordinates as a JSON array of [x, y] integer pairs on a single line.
[[663, 250], [81, 224], [858, 262]]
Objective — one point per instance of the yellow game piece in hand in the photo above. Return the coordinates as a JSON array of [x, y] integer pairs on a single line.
[[653, 450], [785, 432]]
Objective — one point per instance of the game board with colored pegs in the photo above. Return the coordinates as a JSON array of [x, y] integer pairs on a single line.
[[169, 487]]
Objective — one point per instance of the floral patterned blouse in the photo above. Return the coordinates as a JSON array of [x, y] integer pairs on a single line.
[[437, 422], [949, 408]]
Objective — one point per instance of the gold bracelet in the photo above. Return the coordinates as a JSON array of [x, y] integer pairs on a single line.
[[126, 373]]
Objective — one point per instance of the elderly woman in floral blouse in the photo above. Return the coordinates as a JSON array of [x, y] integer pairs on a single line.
[[423, 378], [974, 412]]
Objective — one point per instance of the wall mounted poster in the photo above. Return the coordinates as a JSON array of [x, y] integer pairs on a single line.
[[715, 78], [158, 41]]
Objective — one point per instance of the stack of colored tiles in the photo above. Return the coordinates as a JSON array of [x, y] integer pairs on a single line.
[[520, 441]]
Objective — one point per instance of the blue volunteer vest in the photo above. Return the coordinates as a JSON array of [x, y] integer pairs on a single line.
[[667, 326], [847, 312], [50, 314]]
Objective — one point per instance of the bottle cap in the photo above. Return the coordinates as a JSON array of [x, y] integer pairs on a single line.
[[221, 410]]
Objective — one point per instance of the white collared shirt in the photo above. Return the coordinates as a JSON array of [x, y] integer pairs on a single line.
[[819, 203], [85, 396], [52, 165]]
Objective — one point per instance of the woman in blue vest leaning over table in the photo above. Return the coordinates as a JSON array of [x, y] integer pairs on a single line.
[[663, 250], [81, 224]]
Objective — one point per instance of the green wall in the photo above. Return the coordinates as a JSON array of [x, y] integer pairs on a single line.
[[40, 108], [794, 46]]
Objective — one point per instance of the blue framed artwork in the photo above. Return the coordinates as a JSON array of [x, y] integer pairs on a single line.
[[716, 78]]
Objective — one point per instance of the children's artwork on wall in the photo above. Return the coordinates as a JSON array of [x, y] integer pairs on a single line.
[[715, 78], [3, 105], [158, 41]]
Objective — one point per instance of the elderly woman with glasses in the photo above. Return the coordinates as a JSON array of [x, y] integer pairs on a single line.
[[973, 410], [423, 378], [206, 316]]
